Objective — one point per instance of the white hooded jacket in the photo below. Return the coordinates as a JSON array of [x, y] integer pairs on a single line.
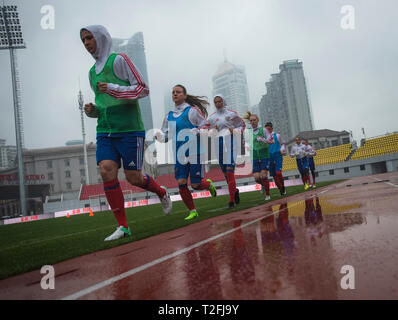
[[123, 67], [225, 118]]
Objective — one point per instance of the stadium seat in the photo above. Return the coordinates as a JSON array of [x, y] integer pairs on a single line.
[[377, 146]]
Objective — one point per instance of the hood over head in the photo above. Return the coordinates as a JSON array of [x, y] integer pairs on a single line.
[[222, 97], [104, 45]]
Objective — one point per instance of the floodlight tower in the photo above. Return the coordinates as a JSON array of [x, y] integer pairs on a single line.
[[81, 102], [11, 39]]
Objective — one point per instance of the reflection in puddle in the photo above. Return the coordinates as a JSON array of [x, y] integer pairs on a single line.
[[288, 255]]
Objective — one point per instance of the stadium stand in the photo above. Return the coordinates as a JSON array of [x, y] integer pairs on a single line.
[[333, 154], [324, 156], [337, 154], [377, 146]]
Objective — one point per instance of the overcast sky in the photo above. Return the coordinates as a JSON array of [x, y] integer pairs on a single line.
[[351, 74]]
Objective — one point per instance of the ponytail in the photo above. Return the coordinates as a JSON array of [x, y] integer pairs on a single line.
[[196, 101], [249, 114]]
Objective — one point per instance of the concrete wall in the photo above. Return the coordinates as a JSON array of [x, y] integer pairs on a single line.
[[354, 170], [354, 167]]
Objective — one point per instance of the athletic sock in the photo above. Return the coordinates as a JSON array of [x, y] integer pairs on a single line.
[[277, 182], [114, 195], [151, 185], [281, 179], [186, 196], [313, 178], [231, 185], [265, 183]]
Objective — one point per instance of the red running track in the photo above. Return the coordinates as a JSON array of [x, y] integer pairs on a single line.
[[292, 248]]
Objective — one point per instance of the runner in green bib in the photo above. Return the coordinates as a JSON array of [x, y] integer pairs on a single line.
[[118, 85], [259, 142]]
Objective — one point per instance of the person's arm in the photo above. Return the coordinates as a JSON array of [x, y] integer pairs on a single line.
[[213, 128], [197, 119], [293, 152], [268, 138], [281, 143], [126, 70], [313, 151], [163, 136], [237, 122], [91, 109]]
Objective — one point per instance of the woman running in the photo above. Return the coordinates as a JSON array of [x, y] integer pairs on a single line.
[[261, 157], [118, 85], [299, 151], [228, 120], [182, 126], [276, 152], [311, 153]]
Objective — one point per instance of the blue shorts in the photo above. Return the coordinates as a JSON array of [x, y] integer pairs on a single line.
[[225, 164], [227, 157], [276, 163], [311, 163], [195, 171], [260, 165], [302, 164], [126, 146]]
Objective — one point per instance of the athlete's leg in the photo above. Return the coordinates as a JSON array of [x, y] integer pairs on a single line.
[[230, 174], [312, 168], [181, 175], [265, 181], [196, 171], [108, 160], [278, 169], [132, 150], [272, 170]]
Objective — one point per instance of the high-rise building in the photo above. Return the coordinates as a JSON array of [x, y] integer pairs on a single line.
[[8, 155], [230, 81], [134, 48], [286, 103], [168, 102]]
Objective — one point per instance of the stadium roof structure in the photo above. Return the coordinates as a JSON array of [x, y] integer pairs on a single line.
[[11, 192], [316, 134], [58, 150]]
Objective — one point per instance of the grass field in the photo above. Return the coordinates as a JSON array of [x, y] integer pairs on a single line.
[[28, 246]]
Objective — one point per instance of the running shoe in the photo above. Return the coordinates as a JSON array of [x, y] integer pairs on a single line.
[[283, 191], [212, 189], [231, 205], [306, 186], [193, 214], [237, 197], [314, 186], [166, 202], [267, 198], [120, 232]]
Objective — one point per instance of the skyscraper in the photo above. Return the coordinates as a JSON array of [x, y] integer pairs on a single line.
[[286, 103], [134, 48], [230, 81], [8, 155]]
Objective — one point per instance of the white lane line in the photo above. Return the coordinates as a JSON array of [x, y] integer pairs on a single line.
[[389, 183], [129, 273]]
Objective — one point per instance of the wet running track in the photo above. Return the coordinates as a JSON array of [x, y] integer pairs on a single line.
[[294, 248]]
